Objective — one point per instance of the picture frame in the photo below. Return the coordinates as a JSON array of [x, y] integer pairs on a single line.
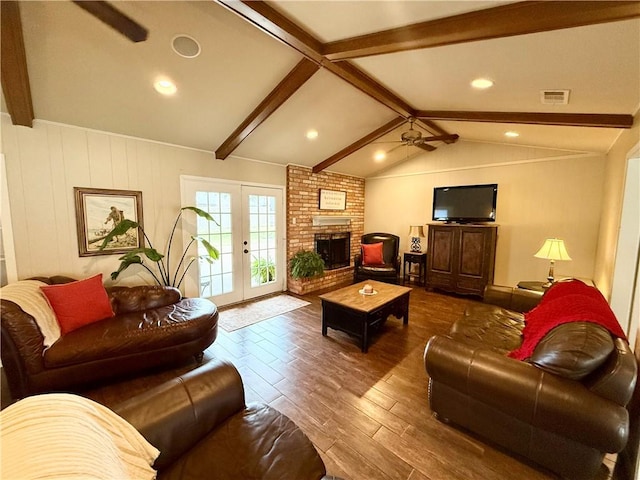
[[98, 211], [332, 200]]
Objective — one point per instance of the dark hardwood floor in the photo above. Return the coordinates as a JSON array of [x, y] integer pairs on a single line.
[[367, 414]]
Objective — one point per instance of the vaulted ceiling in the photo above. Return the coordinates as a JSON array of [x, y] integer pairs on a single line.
[[354, 71]]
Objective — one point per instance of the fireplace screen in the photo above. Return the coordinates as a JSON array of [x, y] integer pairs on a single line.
[[334, 248]]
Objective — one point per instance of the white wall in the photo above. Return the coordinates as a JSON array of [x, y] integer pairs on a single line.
[[45, 162], [614, 181], [541, 194]]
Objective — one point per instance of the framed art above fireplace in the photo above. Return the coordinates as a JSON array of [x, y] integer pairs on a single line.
[[332, 200]]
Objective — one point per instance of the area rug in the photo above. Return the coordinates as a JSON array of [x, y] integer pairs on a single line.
[[250, 313]]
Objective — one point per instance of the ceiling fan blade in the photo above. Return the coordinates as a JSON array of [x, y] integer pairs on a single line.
[[453, 137], [425, 146], [394, 148], [115, 19], [387, 142]]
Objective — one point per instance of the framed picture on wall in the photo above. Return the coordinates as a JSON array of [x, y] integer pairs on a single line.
[[98, 211], [332, 200]]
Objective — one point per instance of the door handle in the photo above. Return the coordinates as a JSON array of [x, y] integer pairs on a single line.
[[246, 251]]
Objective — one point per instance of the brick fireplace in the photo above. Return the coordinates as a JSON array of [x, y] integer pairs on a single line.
[[305, 220]]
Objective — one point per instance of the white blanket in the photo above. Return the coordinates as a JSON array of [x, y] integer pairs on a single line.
[[64, 436], [28, 296]]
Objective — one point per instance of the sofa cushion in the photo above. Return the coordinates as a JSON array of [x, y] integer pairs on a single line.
[[259, 443], [128, 334], [490, 327], [573, 350], [372, 254], [79, 303]]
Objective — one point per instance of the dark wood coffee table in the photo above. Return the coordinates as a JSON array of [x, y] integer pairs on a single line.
[[355, 313]]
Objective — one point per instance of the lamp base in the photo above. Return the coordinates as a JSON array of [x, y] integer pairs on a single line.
[[415, 245]]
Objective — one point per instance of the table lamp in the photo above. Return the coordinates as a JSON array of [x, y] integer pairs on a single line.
[[416, 232], [553, 249]]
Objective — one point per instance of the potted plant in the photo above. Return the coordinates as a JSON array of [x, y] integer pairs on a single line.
[[306, 264], [164, 274], [263, 270]]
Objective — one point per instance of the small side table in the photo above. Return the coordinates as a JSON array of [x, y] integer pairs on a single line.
[[415, 258], [532, 286]]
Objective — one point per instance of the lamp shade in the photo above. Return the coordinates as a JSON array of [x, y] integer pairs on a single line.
[[416, 231], [553, 249]]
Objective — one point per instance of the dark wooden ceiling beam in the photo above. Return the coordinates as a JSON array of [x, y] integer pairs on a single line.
[[14, 73], [503, 21], [287, 87], [115, 19], [558, 119], [357, 145], [13, 66], [265, 17]]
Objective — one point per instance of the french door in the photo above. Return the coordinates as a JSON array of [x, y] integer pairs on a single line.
[[248, 233]]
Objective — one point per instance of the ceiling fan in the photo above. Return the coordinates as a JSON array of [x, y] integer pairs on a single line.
[[414, 138]]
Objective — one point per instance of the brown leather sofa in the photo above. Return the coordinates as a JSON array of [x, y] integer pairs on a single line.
[[204, 430], [152, 326], [563, 408], [389, 271]]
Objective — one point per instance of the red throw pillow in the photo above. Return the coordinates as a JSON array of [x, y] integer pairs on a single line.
[[372, 254], [78, 303]]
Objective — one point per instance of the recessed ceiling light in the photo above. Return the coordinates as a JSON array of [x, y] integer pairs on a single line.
[[312, 134], [379, 156], [511, 134], [185, 46], [482, 83], [165, 86]]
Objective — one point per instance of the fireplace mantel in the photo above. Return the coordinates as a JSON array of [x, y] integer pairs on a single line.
[[325, 220]]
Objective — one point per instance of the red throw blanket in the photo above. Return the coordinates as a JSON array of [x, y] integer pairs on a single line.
[[565, 302]]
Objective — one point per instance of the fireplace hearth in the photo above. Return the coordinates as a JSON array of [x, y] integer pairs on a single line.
[[334, 248]]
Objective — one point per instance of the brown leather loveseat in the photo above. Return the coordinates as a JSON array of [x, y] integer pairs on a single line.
[[563, 407], [152, 326]]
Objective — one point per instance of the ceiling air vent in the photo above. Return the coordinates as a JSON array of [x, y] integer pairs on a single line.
[[554, 97]]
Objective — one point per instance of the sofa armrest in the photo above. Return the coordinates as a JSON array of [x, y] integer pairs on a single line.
[[21, 347], [177, 414], [522, 391], [511, 298], [140, 298]]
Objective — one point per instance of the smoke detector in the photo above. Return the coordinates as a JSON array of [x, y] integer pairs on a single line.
[[554, 97]]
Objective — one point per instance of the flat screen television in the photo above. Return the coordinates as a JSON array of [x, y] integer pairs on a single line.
[[465, 203]]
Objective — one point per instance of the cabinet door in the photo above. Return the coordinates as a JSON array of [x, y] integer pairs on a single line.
[[441, 258], [474, 268]]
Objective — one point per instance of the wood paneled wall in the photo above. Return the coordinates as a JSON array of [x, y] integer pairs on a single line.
[[45, 162]]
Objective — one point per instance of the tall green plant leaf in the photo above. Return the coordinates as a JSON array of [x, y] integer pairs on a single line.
[[201, 213], [120, 229], [211, 250], [125, 262]]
